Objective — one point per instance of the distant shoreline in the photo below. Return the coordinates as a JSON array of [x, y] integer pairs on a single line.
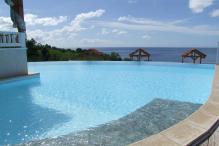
[[163, 53]]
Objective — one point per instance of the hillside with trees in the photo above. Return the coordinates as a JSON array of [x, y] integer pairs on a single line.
[[39, 52]]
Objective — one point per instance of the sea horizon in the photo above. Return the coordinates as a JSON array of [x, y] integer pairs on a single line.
[[172, 54]]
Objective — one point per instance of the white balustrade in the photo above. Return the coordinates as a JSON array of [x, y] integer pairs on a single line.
[[12, 39]]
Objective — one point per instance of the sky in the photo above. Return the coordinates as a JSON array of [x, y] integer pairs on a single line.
[[119, 23]]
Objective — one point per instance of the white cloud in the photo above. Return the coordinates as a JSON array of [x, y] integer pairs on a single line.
[[180, 21], [104, 31], [215, 13], [132, 1], [146, 37], [50, 37], [92, 26], [86, 16], [32, 19], [68, 32], [198, 6], [5, 24], [75, 25], [122, 32], [144, 21], [145, 25], [94, 41], [119, 32]]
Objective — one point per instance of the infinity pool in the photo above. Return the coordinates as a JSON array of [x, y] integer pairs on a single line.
[[73, 96]]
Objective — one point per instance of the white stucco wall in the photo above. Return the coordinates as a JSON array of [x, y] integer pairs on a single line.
[[13, 62]]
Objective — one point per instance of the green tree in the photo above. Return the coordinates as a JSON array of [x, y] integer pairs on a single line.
[[45, 54], [115, 56], [32, 51], [39, 52]]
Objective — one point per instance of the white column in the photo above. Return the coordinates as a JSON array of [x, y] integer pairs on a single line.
[[22, 39]]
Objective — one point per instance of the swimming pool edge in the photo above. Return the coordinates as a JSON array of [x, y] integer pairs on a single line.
[[195, 129], [30, 75]]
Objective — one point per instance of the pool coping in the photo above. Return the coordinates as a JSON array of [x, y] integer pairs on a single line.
[[194, 129], [19, 78]]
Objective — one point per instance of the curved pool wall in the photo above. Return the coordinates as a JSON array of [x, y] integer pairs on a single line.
[[200, 128], [135, 126], [73, 96]]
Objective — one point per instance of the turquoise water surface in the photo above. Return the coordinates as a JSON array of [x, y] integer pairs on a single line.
[[72, 96]]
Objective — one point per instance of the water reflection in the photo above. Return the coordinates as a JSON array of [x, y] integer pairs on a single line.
[[20, 119]]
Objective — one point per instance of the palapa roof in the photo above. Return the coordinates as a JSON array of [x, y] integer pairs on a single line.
[[140, 52], [193, 51]]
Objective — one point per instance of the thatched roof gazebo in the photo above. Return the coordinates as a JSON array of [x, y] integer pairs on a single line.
[[195, 54], [139, 54]]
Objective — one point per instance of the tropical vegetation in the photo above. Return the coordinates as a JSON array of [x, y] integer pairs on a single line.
[[39, 52]]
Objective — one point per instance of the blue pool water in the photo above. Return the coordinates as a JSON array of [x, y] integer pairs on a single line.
[[72, 96]]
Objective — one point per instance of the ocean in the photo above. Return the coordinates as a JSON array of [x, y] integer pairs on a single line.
[[162, 53]]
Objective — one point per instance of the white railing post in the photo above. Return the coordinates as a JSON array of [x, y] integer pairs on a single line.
[[12, 39], [22, 39], [1, 38], [4, 39]]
